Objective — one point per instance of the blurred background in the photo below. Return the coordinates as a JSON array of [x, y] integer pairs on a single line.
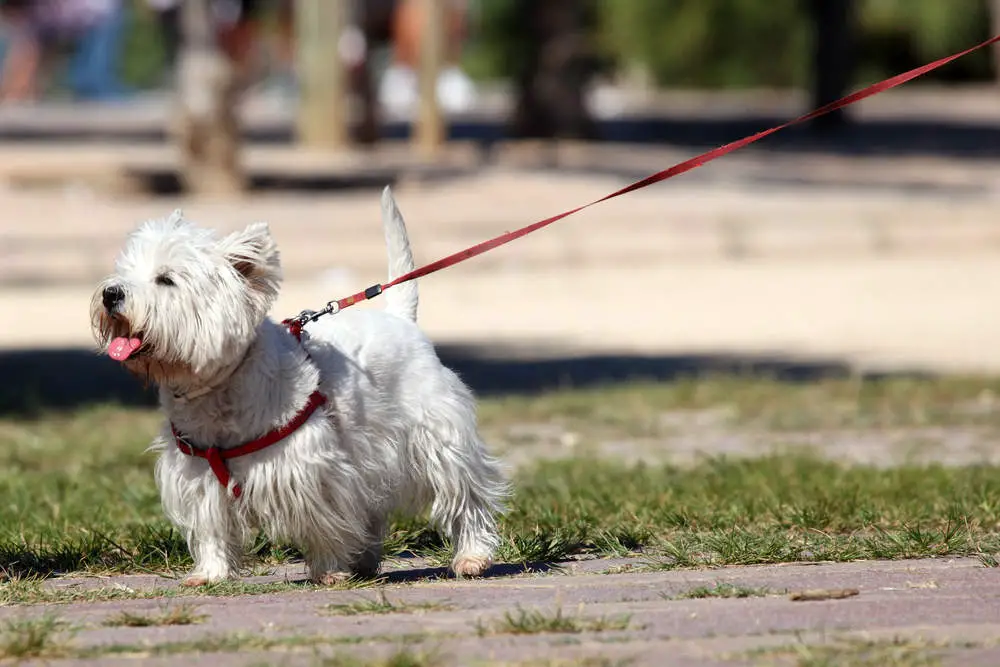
[[862, 242]]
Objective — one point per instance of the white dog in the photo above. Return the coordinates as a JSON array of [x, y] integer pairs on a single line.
[[315, 441]]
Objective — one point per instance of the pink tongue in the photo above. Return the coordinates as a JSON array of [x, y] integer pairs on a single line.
[[121, 348]]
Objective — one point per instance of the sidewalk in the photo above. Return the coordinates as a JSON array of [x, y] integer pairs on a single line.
[[924, 609]]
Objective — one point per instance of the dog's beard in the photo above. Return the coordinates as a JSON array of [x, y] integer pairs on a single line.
[[162, 373]]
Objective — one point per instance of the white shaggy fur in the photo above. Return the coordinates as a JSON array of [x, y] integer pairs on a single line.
[[398, 432]]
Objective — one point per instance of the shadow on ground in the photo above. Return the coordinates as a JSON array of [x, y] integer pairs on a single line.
[[409, 575], [889, 137], [39, 381], [943, 138], [168, 183]]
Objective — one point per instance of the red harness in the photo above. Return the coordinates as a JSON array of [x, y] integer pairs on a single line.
[[217, 457]]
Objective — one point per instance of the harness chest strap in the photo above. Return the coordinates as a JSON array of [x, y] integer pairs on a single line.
[[217, 457]]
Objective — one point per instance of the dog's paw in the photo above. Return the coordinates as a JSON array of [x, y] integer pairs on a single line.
[[470, 566], [195, 580], [332, 578]]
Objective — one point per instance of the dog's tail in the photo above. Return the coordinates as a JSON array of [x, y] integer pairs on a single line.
[[402, 299]]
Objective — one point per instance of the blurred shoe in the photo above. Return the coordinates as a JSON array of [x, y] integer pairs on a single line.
[[455, 90], [399, 90]]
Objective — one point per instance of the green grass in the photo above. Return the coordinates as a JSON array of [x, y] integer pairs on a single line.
[[722, 590], [177, 615], [401, 658], [46, 637], [236, 642], [40, 637], [589, 661], [766, 510], [533, 621], [898, 652], [78, 491], [381, 605], [49, 637], [850, 403], [34, 591]]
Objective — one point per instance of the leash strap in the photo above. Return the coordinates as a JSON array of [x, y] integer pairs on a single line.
[[676, 170]]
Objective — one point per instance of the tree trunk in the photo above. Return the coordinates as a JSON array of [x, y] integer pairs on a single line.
[[558, 63], [833, 56], [206, 126]]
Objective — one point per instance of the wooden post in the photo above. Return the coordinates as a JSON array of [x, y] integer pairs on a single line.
[[323, 119], [429, 132], [205, 124]]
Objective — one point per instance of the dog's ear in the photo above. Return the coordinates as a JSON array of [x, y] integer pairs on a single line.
[[253, 253], [176, 217]]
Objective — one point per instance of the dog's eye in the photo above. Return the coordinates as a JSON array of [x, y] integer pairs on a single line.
[[165, 280]]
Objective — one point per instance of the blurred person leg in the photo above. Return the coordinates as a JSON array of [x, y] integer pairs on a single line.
[[994, 10], [285, 16], [454, 89], [168, 20], [19, 74], [833, 57], [95, 65], [371, 27], [375, 26], [205, 123], [558, 64], [238, 33]]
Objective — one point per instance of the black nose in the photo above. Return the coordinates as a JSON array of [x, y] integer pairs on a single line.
[[113, 297]]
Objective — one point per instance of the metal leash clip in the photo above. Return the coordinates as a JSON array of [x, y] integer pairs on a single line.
[[331, 308], [301, 318], [306, 316], [335, 306]]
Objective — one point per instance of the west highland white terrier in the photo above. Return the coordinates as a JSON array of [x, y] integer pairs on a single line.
[[315, 441]]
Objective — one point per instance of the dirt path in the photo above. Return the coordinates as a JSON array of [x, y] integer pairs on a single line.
[[947, 607], [824, 271]]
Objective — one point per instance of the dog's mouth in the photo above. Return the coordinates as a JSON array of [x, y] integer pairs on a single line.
[[126, 344], [125, 347]]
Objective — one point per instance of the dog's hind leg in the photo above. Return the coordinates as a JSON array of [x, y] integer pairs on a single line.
[[469, 511], [325, 566], [469, 491], [367, 564]]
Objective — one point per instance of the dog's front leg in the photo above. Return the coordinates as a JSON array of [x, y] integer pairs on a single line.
[[205, 514], [216, 554]]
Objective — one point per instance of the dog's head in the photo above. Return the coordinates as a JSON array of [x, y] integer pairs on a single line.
[[182, 303]]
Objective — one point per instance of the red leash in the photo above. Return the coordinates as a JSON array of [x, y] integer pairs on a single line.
[[676, 170]]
